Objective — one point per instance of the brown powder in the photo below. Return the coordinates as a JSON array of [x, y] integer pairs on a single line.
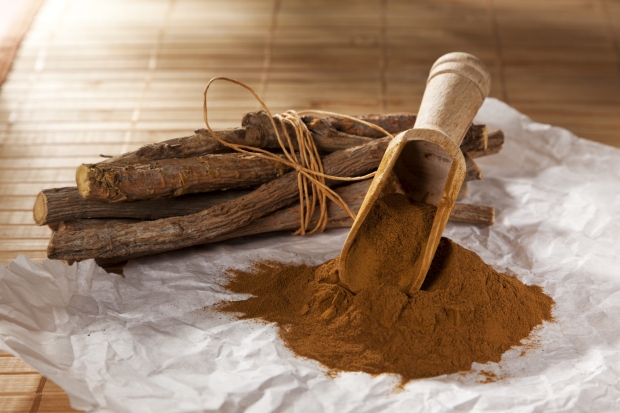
[[389, 242], [466, 312]]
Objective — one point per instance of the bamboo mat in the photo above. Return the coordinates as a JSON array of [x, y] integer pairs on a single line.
[[105, 76], [15, 19]]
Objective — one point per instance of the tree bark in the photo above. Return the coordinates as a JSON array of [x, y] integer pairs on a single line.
[[66, 204], [256, 131], [97, 223], [150, 237], [495, 142], [287, 219], [475, 139], [174, 177], [326, 138], [392, 123], [330, 134], [473, 214], [473, 171], [201, 143]]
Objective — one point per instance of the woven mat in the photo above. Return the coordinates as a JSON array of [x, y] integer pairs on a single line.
[[15, 20], [105, 76]]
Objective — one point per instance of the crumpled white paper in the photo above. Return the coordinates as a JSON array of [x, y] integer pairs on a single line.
[[146, 343]]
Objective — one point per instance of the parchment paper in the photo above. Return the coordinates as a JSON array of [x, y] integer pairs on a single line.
[[146, 342]]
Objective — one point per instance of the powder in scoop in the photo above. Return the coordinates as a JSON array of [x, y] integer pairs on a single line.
[[388, 245], [466, 312]]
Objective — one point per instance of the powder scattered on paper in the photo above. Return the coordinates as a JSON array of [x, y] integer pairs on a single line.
[[465, 312]]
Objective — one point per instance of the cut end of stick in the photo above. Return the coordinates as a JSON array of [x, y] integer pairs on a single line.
[[39, 211], [81, 178]]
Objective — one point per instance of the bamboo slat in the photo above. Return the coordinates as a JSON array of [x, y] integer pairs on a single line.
[[104, 77]]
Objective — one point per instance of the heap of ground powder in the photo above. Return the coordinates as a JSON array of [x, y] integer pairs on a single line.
[[465, 312]]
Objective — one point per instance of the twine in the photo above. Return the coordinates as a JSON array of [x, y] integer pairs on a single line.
[[307, 163]]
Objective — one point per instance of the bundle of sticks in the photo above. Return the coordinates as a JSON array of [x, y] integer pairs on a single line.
[[193, 190]]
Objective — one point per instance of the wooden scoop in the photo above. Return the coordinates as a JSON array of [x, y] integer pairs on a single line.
[[425, 163]]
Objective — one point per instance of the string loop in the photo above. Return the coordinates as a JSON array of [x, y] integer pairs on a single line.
[[306, 161]]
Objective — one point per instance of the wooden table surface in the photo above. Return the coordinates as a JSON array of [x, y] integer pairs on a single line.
[[105, 76]]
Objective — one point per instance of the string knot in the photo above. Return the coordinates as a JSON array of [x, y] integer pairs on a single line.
[[313, 191]]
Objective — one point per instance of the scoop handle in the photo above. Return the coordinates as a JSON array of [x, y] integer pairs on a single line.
[[456, 87]]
